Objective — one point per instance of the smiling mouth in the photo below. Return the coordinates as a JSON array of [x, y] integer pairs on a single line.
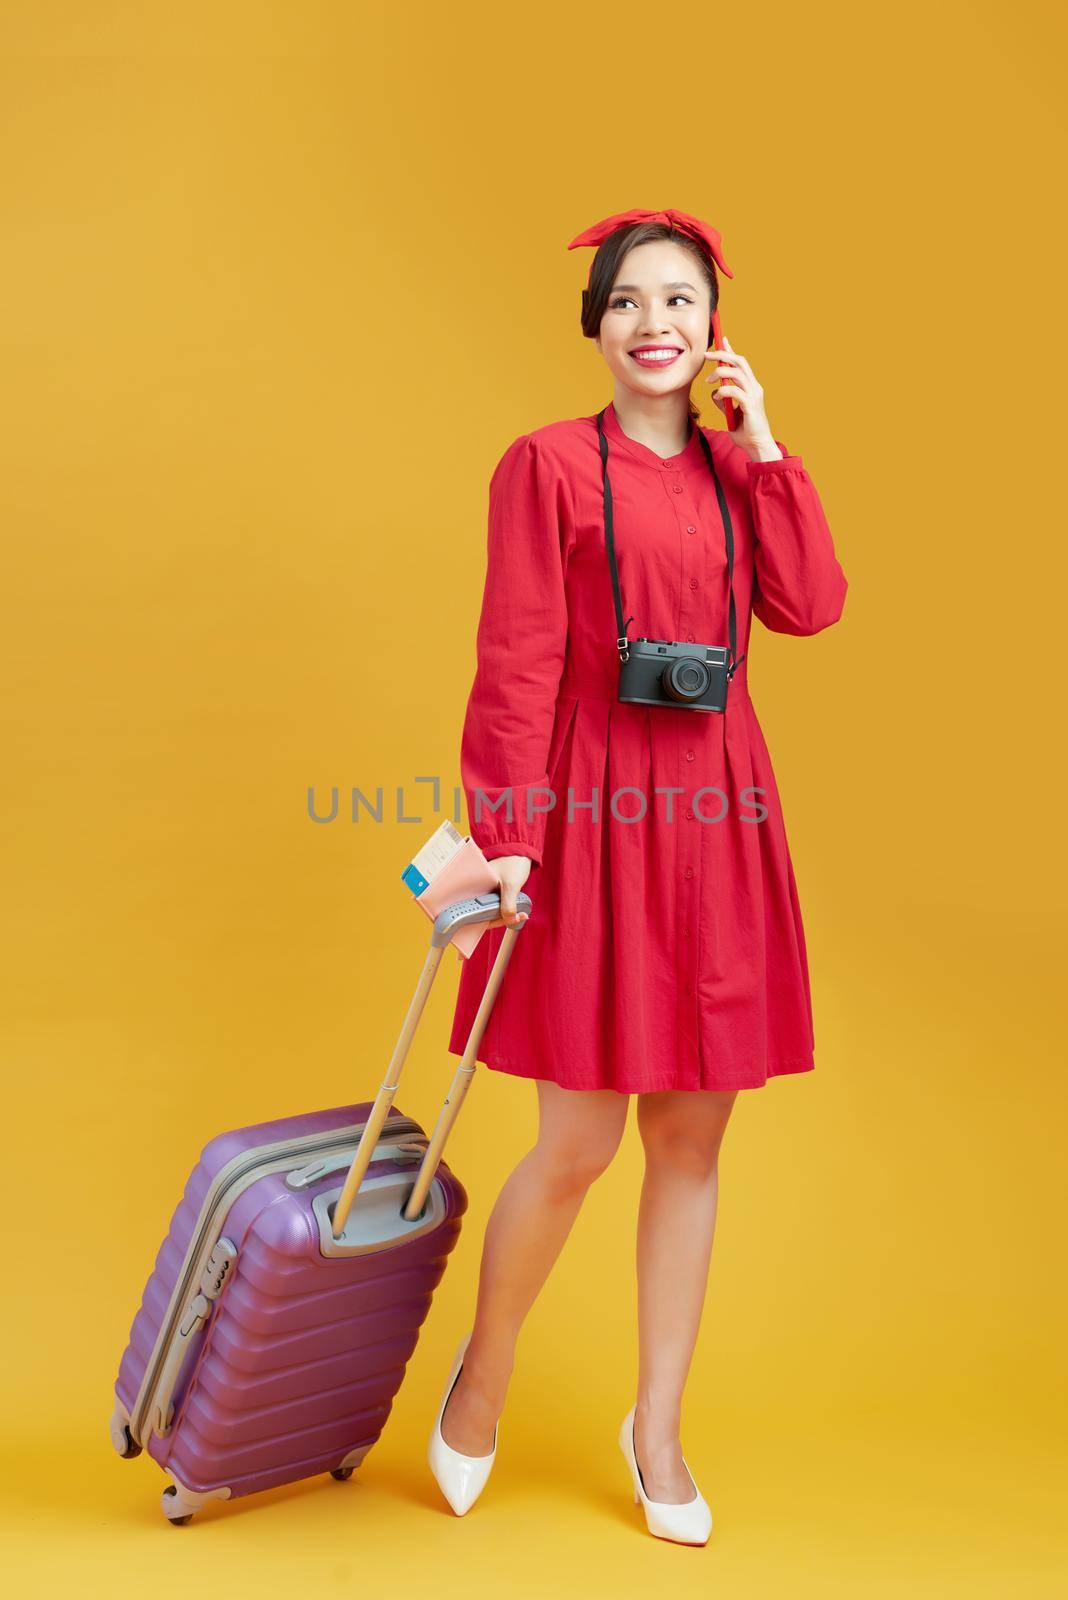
[[655, 358]]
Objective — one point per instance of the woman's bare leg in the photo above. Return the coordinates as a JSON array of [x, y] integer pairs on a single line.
[[579, 1133], [681, 1131]]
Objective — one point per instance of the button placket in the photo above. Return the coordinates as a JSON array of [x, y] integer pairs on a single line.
[[688, 837], [684, 479], [690, 580], [689, 893]]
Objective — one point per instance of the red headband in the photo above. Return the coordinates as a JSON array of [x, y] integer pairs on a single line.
[[701, 231]]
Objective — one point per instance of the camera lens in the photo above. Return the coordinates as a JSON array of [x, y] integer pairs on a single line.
[[686, 679]]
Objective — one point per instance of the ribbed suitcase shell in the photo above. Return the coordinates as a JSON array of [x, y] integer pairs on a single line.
[[298, 1364]]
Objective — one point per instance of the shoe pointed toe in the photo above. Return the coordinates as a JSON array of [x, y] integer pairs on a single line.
[[685, 1522], [460, 1478]]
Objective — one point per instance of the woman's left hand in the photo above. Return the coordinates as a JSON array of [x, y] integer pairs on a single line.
[[737, 382]]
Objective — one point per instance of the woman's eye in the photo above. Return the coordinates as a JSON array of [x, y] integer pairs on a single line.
[[621, 300]]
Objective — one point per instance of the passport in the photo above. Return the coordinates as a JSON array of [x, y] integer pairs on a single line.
[[451, 867]]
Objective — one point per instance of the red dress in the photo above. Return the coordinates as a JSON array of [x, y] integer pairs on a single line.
[[663, 951]]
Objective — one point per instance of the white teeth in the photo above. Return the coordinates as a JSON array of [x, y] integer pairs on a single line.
[[654, 355]]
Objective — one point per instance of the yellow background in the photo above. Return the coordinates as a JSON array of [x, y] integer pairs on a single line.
[[281, 282]]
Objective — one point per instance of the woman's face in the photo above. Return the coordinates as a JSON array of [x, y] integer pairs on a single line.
[[659, 301]]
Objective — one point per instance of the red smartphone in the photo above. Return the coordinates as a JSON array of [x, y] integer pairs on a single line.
[[730, 410]]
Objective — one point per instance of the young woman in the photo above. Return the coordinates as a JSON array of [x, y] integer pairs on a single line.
[[666, 956]]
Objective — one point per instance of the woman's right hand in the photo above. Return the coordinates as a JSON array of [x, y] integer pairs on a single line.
[[512, 873]]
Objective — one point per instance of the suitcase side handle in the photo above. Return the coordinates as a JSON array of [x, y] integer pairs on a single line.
[[460, 914]]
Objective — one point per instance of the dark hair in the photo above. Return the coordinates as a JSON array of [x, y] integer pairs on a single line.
[[606, 265]]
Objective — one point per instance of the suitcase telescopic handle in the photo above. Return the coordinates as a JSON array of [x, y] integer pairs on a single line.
[[482, 908]]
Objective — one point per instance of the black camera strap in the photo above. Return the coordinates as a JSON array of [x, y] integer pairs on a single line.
[[728, 533]]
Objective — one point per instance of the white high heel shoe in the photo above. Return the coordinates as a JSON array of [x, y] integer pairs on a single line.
[[461, 1478], [687, 1523]]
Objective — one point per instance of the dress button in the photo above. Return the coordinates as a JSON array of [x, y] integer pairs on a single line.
[[689, 638], [689, 811], [689, 872], [691, 529], [677, 487], [693, 583], [690, 755]]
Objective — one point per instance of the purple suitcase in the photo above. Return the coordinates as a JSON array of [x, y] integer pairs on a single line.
[[288, 1295]]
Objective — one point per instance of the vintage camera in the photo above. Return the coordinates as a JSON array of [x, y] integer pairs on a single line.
[[664, 672]]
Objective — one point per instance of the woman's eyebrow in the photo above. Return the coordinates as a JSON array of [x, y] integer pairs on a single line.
[[635, 288]]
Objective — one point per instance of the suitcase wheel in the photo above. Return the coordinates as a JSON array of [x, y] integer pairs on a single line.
[[172, 1508], [121, 1438]]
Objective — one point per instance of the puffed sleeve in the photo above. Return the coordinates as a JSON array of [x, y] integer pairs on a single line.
[[798, 585], [521, 647]]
